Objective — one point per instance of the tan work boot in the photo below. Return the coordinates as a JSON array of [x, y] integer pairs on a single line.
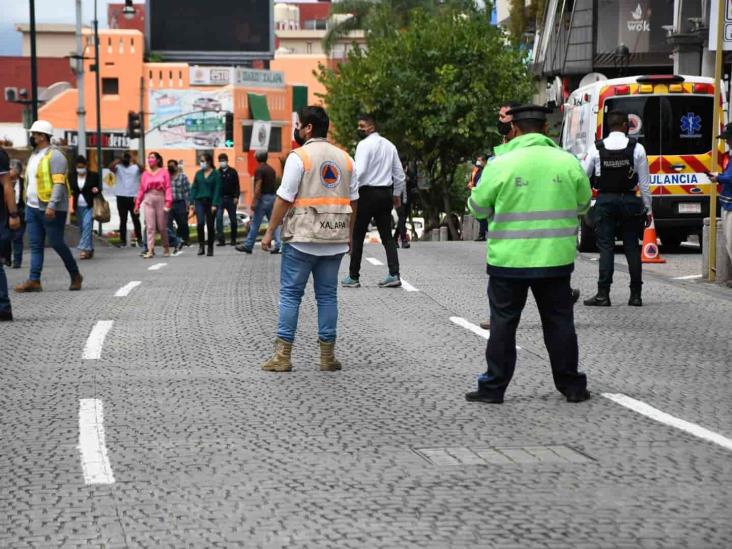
[[280, 361], [76, 281], [29, 286], [328, 362]]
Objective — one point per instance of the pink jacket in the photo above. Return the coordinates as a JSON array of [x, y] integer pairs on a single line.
[[159, 181]]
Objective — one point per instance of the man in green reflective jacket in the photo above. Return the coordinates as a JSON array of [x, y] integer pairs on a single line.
[[531, 195]]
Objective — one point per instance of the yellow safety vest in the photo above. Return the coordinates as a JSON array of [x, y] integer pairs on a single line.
[[45, 180]]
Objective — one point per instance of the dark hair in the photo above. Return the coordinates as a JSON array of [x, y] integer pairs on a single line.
[[615, 120], [208, 158], [127, 156], [81, 159], [223, 156], [173, 161], [368, 118], [317, 117], [261, 156], [530, 125], [157, 157]]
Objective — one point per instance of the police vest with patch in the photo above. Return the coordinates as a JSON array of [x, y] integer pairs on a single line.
[[321, 212], [617, 169]]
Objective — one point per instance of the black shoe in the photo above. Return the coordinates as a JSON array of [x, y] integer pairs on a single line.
[[8, 262], [242, 248], [201, 249], [232, 243], [601, 299], [275, 251], [578, 397], [221, 243], [210, 251], [477, 396], [406, 245], [6, 316], [480, 239], [575, 295], [635, 299]]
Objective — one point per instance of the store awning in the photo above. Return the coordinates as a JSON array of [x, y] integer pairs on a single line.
[[258, 109]]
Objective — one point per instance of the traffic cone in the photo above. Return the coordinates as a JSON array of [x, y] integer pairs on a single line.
[[649, 249]]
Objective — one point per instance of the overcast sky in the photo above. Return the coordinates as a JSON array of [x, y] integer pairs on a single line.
[[47, 11]]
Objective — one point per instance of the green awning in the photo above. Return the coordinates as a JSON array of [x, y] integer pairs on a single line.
[[258, 109]]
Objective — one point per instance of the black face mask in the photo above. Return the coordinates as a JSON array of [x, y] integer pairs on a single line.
[[126, 162], [32, 141], [504, 128], [300, 140], [171, 170], [362, 134]]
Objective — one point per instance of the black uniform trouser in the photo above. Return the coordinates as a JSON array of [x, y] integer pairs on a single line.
[[125, 206], [401, 228], [374, 203], [507, 298], [625, 212]]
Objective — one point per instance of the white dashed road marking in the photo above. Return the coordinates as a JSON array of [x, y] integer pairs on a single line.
[[92, 447], [125, 290], [688, 277], [93, 347], [407, 286], [485, 334], [156, 267], [374, 261], [662, 417]]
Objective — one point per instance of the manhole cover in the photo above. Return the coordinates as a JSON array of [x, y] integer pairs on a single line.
[[504, 455]]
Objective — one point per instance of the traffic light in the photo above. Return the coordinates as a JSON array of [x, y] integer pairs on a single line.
[[134, 125], [229, 129]]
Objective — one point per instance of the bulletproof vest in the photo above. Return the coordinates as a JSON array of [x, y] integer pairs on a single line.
[[617, 169]]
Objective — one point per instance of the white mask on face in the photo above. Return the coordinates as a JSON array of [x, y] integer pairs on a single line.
[[223, 164], [203, 164], [81, 171]]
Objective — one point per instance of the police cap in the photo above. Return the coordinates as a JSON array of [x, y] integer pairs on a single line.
[[529, 112]]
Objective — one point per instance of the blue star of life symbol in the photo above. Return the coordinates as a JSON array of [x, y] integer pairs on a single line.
[[691, 123]]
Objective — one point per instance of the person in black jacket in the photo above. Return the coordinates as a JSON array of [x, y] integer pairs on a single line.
[[84, 186], [229, 200]]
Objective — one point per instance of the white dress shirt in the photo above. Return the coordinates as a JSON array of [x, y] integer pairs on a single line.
[[617, 141], [378, 164], [290, 188]]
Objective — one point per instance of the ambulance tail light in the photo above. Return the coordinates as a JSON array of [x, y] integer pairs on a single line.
[[676, 88], [646, 88], [622, 90], [704, 88]]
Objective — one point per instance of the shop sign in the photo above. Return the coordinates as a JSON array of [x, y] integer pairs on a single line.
[[110, 140]]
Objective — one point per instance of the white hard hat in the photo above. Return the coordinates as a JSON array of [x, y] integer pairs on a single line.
[[42, 126]]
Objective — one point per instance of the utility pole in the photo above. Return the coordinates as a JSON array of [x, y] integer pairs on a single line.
[[719, 55], [97, 69], [34, 62], [81, 110], [141, 158]]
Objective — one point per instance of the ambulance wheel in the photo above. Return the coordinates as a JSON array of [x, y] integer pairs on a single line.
[[670, 242], [586, 237]]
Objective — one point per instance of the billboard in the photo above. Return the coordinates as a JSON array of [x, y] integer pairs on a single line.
[[187, 118], [214, 31], [636, 23]]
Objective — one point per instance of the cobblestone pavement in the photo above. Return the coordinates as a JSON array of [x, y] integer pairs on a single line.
[[207, 450]]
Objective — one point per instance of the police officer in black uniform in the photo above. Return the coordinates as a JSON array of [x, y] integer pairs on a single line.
[[618, 168]]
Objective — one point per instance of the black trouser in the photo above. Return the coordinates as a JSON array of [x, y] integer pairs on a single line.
[[205, 220], [179, 214], [401, 228], [507, 298], [624, 212], [126, 205], [228, 204], [374, 203]]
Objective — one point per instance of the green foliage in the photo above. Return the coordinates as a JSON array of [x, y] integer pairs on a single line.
[[435, 88]]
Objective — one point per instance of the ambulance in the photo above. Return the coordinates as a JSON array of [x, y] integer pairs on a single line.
[[671, 116]]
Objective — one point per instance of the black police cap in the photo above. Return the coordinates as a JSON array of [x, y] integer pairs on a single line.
[[529, 112]]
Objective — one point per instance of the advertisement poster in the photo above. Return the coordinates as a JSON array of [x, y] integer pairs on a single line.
[[638, 24], [187, 118]]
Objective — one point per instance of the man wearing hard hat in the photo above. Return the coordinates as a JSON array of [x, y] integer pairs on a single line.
[[47, 203]]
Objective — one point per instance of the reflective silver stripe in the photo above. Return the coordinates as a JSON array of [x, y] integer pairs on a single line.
[[478, 209], [536, 216], [532, 233]]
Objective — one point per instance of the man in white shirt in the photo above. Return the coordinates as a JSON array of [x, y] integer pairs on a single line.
[[380, 185], [127, 181], [620, 167], [318, 201]]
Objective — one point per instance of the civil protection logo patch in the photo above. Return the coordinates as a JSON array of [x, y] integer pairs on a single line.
[[330, 174]]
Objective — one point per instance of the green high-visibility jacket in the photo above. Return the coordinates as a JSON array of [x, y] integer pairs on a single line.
[[531, 194]]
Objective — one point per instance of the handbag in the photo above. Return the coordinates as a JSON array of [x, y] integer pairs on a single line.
[[100, 211]]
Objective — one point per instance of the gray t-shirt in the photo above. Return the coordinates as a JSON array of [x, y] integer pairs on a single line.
[[127, 180]]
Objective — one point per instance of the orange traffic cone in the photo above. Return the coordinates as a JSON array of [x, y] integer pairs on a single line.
[[649, 249]]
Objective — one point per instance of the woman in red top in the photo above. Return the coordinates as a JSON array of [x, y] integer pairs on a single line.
[[155, 194]]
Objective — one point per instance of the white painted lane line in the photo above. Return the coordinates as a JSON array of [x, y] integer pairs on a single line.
[[662, 417], [156, 267], [93, 347], [407, 286], [374, 261], [688, 277], [92, 446], [125, 290], [473, 328]]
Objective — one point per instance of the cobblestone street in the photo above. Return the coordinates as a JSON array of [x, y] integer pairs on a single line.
[[159, 429]]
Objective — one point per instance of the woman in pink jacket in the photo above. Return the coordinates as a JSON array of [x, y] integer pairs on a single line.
[[155, 194]]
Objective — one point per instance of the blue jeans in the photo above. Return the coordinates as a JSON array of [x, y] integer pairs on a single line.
[[264, 207], [228, 203], [294, 273], [38, 229], [85, 215], [4, 297], [18, 245]]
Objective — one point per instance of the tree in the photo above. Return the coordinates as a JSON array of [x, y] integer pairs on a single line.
[[434, 88]]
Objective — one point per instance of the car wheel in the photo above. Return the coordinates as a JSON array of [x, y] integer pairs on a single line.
[[670, 242]]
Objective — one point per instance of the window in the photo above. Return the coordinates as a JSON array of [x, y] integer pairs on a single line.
[[275, 139], [110, 86]]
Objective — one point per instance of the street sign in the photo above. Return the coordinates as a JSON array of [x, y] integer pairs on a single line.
[[726, 26]]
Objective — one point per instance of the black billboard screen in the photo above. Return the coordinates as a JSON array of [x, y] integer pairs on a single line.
[[209, 26]]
